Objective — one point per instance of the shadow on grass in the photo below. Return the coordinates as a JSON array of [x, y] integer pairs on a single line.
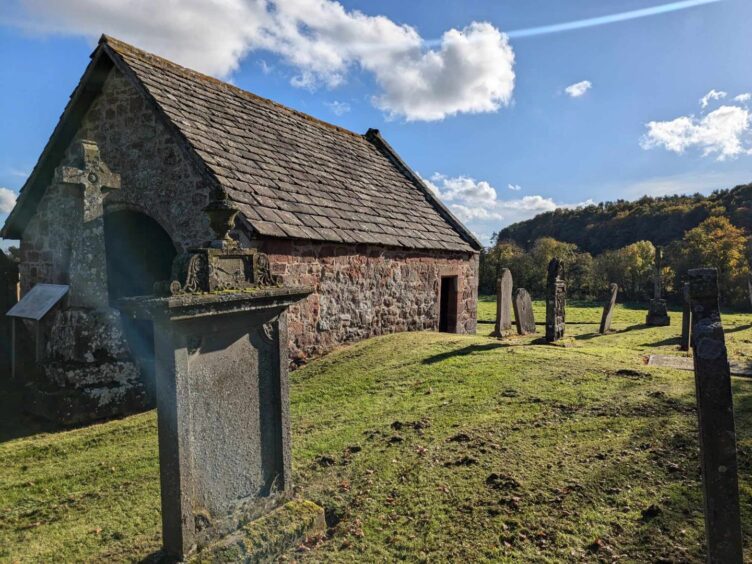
[[740, 328], [14, 422], [664, 342], [471, 349]]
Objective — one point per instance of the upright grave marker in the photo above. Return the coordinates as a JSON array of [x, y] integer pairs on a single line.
[[503, 304], [608, 310], [222, 390], [657, 313], [556, 294], [686, 319], [523, 312], [715, 412]]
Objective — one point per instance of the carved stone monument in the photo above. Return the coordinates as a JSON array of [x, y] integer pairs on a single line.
[[608, 310], [503, 304], [222, 389], [556, 295], [523, 312], [686, 330], [715, 412], [657, 312]]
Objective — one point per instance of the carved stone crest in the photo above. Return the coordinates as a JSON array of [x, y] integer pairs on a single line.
[[221, 265]]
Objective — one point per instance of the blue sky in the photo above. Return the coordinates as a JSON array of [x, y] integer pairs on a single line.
[[504, 123]]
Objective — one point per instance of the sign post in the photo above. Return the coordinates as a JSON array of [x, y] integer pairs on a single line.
[[34, 306]]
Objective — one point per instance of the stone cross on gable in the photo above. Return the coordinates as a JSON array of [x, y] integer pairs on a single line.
[[88, 265], [93, 175]]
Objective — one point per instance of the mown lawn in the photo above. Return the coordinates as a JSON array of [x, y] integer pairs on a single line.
[[431, 447]]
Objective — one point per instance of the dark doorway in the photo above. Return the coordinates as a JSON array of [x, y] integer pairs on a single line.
[[448, 305], [139, 253]]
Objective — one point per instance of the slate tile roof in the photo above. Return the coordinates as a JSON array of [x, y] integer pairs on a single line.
[[291, 175]]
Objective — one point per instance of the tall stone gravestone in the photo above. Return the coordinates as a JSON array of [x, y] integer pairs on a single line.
[[503, 304], [556, 293], [686, 319], [657, 312], [608, 310], [749, 287], [523, 312], [222, 389], [715, 412]]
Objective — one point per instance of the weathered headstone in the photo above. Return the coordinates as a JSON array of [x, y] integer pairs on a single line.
[[556, 294], [503, 304], [749, 287], [222, 390], [523, 312], [715, 412], [686, 319], [608, 310], [658, 313]]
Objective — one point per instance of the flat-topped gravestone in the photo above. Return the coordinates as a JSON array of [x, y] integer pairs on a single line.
[[504, 304], [715, 413], [523, 312], [608, 310], [555, 301], [222, 390], [686, 330], [657, 312], [738, 368]]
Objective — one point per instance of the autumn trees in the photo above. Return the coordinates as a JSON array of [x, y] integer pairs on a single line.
[[716, 242]]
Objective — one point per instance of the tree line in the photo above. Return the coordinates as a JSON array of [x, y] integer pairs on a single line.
[[615, 225], [716, 242]]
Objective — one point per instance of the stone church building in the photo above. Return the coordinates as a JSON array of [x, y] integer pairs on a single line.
[[120, 189]]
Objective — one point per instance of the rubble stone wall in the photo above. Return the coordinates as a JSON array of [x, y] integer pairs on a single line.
[[363, 291], [156, 175]]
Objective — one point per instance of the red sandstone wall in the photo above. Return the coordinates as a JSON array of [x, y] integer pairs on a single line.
[[363, 291]]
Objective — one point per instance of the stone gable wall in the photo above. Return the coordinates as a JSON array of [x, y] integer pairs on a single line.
[[157, 179], [366, 291]]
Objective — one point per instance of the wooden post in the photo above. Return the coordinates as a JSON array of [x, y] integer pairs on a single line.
[[715, 413]]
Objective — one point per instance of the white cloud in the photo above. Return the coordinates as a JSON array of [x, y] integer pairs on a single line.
[[712, 95], [578, 88], [338, 108], [476, 203], [683, 183], [514, 187], [723, 132], [266, 68], [7, 200], [470, 70], [746, 97]]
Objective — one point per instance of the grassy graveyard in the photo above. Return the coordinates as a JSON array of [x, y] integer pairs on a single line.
[[431, 447]]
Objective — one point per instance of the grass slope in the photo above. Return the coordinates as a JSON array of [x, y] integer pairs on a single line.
[[429, 446]]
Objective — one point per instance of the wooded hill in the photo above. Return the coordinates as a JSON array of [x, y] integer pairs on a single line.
[[613, 225]]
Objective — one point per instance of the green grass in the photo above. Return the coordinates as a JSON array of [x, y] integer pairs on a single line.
[[444, 447]]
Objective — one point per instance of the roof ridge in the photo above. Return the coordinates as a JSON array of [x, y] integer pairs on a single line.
[[120, 45]]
